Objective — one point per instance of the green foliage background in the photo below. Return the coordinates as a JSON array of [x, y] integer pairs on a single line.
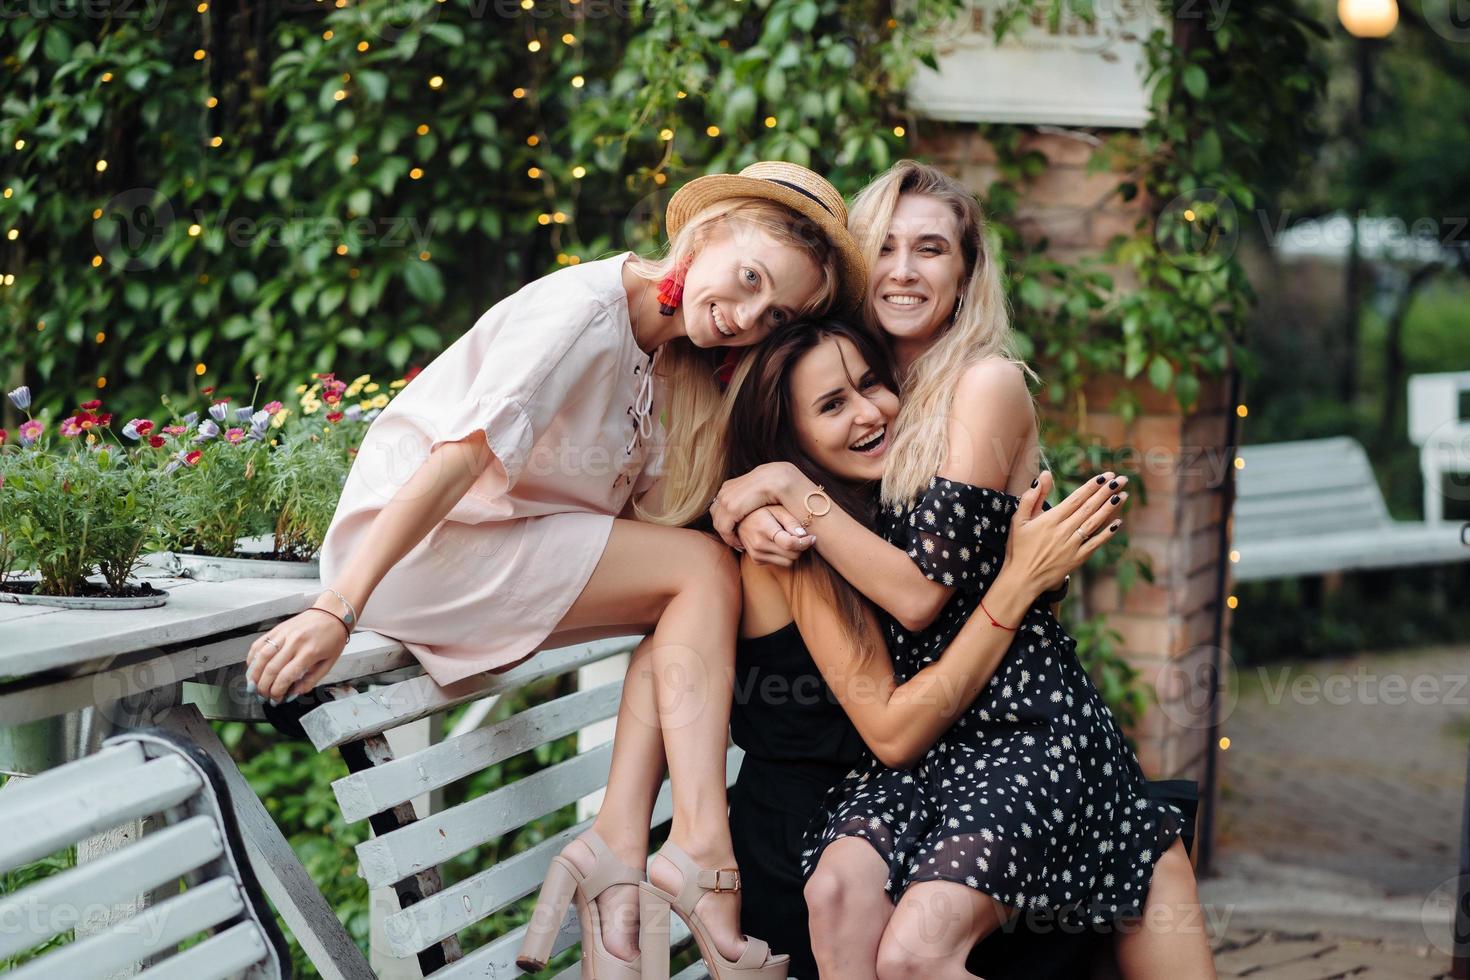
[[356, 215]]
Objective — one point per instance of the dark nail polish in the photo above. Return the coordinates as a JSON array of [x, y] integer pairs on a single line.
[[1115, 499], [1100, 480], [1035, 482], [1113, 484], [1115, 525]]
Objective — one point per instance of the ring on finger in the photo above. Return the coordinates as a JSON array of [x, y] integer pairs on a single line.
[[271, 641], [1084, 535]]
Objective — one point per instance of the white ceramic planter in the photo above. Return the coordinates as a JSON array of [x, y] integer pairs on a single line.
[[210, 568], [87, 602]]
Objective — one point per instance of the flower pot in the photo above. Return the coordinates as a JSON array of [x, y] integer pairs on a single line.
[[215, 568], [144, 596]]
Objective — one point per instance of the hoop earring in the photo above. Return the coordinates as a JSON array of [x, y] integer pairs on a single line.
[[958, 305]]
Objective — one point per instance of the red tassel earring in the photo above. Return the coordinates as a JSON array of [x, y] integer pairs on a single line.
[[671, 288]]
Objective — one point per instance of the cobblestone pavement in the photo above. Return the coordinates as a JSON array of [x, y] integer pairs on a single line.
[[1276, 956], [1352, 766], [1341, 807]]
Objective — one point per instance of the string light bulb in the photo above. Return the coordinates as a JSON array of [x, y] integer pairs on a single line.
[[211, 102], [339, 95], [436, 82], [712, 131], [13, 234], [216, 140], [666, 134], [533, 46], [423, 129], [534, 173], [107, 76], [579, 172], [518, 92], [195, 230], [1241, 410], [569, 38], [199, 369], [20, 144], [199, 54], [96, 261], [899, 131], [578, 81], [415, 173], [770, 122]]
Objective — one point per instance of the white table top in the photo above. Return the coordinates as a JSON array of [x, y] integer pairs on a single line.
[[34, 639]]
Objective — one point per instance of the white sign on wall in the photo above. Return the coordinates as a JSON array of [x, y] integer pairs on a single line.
[[1072, 73]]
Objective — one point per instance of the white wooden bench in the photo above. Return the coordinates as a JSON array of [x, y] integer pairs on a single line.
[[1313, 506], [407, 847], [136, 775], [1442, 433]]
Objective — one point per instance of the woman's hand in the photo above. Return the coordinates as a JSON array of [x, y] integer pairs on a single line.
[[1046, 546], [739, 497], [293, 657], [771, 536]]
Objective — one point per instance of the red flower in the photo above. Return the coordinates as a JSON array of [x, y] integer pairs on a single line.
[[221, 401], [207, 391], [156, 441], [143, 426], [334, 417], [331, 398], [94, 403], [412, 372], [192, 457], [104, 419], [3, 436]]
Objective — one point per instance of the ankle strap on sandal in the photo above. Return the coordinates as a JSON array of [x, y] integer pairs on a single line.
[[719, 879]]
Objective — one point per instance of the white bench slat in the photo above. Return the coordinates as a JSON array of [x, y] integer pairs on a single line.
[[225, 955], [440, 836], [138, 937], [362, 794], [486, 892], [119, 877], [110, 758], [1398, 546], [52, 820], [374, 712], [497, 958]]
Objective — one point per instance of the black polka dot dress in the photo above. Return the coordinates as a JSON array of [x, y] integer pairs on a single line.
[[1032, 796]]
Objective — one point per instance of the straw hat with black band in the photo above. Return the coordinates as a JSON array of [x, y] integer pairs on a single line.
[[803, 191]]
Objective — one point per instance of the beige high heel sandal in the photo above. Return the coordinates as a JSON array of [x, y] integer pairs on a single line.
[[755, 963], [564, 881]]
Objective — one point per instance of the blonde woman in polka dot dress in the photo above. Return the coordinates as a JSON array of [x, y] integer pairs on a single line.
[[1032, 799]]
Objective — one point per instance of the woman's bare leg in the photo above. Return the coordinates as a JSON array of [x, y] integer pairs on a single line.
[[847, 909], [689, 585], [1172, 939], [933, 930], [627, 806]]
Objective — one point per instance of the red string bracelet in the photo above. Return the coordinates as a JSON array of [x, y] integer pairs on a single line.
[[327, 612], [993, 621]]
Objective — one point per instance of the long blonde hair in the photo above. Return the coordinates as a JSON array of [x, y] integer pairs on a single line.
[[981, 329], [696, 406]]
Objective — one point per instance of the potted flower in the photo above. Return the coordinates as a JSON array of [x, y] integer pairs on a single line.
[[257, 501], [75, 513]]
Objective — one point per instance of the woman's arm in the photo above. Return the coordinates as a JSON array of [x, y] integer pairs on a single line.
[[899, 722], [306, 646]]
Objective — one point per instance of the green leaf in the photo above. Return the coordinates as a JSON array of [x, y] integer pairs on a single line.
[[243, 284], [1196, 81], [360, 201], [330, 299], [374, 84], [424, 281], [1160, 372], [450, 34]]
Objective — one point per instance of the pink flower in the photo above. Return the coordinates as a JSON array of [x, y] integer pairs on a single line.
[[92, 405], [143, 426], [30, 431], [175, 430], [234, 435], [71, 427], [273, 407], [3, 436]]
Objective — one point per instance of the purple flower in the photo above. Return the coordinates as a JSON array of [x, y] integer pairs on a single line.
[[373, 414], [21, 398], [173, 464], [353, 413], [218, 411], [191, 418], [260, 423], [131, 430], [243, 414], [207, 431]]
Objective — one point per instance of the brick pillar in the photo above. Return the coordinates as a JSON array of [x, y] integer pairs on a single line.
[[1168, 625]]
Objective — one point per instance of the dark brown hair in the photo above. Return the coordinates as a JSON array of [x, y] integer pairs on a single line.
[[762, 429]]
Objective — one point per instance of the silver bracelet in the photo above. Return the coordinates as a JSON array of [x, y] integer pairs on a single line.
[[351, 618]]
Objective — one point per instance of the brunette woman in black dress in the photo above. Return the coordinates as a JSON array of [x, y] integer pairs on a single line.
[[816, 397]]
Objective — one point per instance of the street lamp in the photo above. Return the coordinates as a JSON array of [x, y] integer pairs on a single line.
[[1369, 22], [1368, 18]]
